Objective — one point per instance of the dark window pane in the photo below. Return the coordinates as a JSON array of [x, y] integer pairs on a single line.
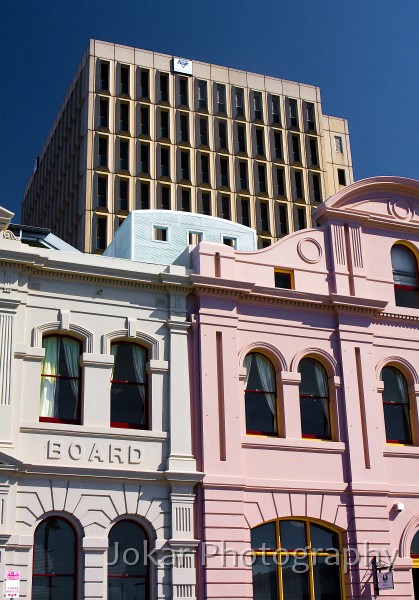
[[395, 386], [183, 91], [128, 391], [323, 539], [283, 280], [414, 548], [186, 201], [327, 585], [241, 138], [397, 423], [121, 588], [260, 395], [144, 77], [341, 176], [265, 579], [129, 539], [53, 588], [295, 581], [206, 204], [245, 220], [125, 79], [54, 548], [164, 87], [292, 535], [314, 399], [144, 196], [264, 537]]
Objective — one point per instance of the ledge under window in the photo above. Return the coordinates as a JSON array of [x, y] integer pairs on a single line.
[[302, 445]]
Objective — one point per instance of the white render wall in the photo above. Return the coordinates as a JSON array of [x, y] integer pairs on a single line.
[[93, 474]]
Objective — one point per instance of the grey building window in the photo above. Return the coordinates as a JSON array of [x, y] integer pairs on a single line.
[[296, 156], [293, 112], [245, 218], [239, 96], [164, 124], [103, 151], [205, 169], [311, 116], [124, 155], [206, 203], [243, 175], [282, 219], [164, 87], [222, 134], [125, 72], [165, 161], [123, 194], [202, 95], [241, 138], [278, 145], [145, 120], [262, 178], [260, 148], [104, 76], [124, 116], [225, 207], [184, 165], [165, 197], [275, 110], [317, 188], [280, 181], [145, 158], [101, 233], [257, 105], [224, 172], [203, 131], [102, 191], [264, 216], [221, 98], [183, 91], [144, 196], [186, 201], [144, 83], [342, 176], [103, 113], [184, 127], [298, 179]]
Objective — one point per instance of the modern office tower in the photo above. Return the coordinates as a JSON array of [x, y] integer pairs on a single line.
[[141, 130]]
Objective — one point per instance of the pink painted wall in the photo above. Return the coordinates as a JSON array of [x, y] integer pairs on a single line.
[[343, 303]]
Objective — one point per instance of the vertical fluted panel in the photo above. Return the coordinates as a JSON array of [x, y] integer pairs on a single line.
[[5, 358]]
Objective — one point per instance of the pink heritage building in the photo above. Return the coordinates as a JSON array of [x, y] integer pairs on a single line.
[[306, 368]]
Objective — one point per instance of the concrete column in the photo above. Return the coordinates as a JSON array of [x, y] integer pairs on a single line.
[[31, 385], [95, 585], [183, 544], [291, 417], [180, 458], [96, 381]]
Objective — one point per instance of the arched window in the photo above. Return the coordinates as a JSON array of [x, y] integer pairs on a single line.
[[54, 561], [405, 276], [396, 406], [129, 390], [296, 559], [314, 400], [414, 553], [260, 395], [60, 380], [127, 565]]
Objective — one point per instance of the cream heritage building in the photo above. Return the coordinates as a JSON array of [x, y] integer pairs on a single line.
[[143, 130], [95, 427]]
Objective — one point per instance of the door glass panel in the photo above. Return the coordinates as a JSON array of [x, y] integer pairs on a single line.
[[292, 535], [326, 578], [295, 579], [265, 582]]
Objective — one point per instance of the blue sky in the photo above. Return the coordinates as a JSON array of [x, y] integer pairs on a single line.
[[364, 55]]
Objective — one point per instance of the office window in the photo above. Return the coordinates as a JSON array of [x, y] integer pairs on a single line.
[[103, 113], [165, 197], [264, 216], [202, 95], [241, 138], [164, 87], [164, 161], [338, 144], [301, 218], [144, 83], [225, 207], [260, 149], [221, 98], [203, 131], [314, 400], [283, 279], [184, 128], [164, 124], [101, 236], [260, 395], [243, 175], [275, 106], [103, 151], [194, 238], [314, 159], [317, 188], [288, 574], [184, 165], [128, 578], [311, 116], [183, 91], [298, 179], [144, 196], [293, 112], [60, 380], [265, 243], [145, 158], [405, 276], [145, 120], [282, 220], [280, 181], [262, 178], [123, 116], [257, 105], [245, 213], [278, 144], [104, 76], [205, 169], [224, 172], [54, 560], [123, 194], [102, 191], [160, 234], [124, 155], [186, 201], [396, 406], [222, 134], [295, 139], [128, 386], [342, 176], [125, 79], [206, 203], [239, 98]]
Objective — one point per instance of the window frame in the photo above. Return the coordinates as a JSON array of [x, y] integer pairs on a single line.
[[309, 436], [254, 432], [148, 566], [77, 421], [76, 555], [307, 552], [400, 286], [409, 407], [122, 424]]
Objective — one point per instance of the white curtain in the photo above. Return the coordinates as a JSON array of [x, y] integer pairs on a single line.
[[401, 387], [247, 363], [114, 351], [322, 385], [404, 266], [72, 358], [49, 384], [139, 359]]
